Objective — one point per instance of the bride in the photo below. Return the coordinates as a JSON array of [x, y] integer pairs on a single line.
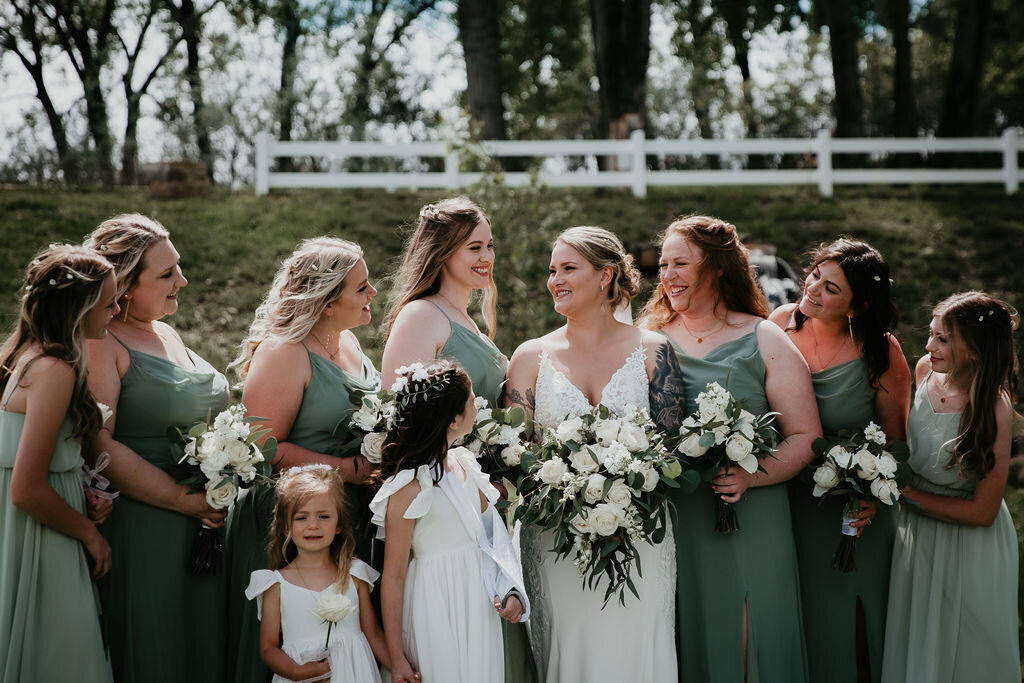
[[596, 359]]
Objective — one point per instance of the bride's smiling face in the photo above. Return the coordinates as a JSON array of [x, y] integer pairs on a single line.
[[574, 283]]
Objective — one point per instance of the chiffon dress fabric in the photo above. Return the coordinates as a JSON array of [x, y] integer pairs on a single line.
[[752, 571], [450, 629], [163, 625], [574, 638], [320, 425], [485, 364], [49, 621], [835, 604], [304, 634], [953, 588]]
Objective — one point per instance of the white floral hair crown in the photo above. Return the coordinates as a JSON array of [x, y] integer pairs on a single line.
[[292, 471], [415, 382]]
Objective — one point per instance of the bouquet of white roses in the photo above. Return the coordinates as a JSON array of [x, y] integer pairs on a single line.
[[221, 458], [497, 438], [369, 425], [600, 484], [720, 434], [859, 467]]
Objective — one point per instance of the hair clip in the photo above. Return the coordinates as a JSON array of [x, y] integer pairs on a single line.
[[70, 276], [313, 267], [308, 468], [36, 262], [104, 247], [52, 281]]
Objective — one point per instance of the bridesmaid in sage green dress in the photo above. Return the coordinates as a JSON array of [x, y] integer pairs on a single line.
[[843, 326], [448, 257], [49, 621], [737, 595], [953, 588], [303, 370], [161, 623]]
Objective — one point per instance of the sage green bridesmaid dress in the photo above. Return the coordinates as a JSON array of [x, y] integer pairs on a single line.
[[486, 365], [754, 568], [321, 425], [162, 624], [834, 603], [953, 587], [49, 620]]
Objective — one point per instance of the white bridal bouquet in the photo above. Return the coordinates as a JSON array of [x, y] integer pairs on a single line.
[[497, 438], [859, 467], [600, 484], [221, 458], [719, 435], [369, 425]]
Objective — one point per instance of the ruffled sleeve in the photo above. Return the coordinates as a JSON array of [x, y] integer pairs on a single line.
[[259, 581], [417, 508], [474, 474], [364, 572]]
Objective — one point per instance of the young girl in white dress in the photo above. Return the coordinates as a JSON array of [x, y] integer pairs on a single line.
[[450, 570], [312, 547]]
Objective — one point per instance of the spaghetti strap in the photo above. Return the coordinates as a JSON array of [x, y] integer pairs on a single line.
[[440, 309], [13, 384], [118, 340]]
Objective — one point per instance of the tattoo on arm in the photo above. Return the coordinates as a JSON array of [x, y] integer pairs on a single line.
[[666, 389], [514, 397]]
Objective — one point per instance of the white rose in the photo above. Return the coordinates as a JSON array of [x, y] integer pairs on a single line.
[[886, 490], [867, 464], [632, 436], [247, 472], [738, 448], [513, 455], [825, 479], [583, 461], [506, 436], [364, 421], [651, 477], [372, 447], [595, 488], [606, 518], [581, 525], [570, 430], [333, 607], [237, 453], [552, 471], [606, 431], [745, 424], [619, 494], [690, 446], [842, 457], [212, 464], [721, 433], [887, 465], [220, 497]]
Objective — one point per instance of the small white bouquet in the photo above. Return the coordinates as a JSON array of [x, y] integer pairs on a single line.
[[221, 458], [369, 425], [859, 467], [332, 608], [719, 435], [497, 438], [600, 484]]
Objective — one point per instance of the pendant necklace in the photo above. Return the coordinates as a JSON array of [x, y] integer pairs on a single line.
[[332, 356], [705, 333]]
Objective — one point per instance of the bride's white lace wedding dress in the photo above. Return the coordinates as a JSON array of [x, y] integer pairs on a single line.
[[573, 638]]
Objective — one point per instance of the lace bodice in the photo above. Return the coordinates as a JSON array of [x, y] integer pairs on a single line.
[[558, 398]]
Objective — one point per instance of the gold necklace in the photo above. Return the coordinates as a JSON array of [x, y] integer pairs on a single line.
[[943, 388], [700, 339], [332, 356], [817, 356]]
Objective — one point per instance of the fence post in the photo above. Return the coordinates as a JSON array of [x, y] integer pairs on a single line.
[[1011, 173], [637, 142], [451, 167], [262, 163], [825, 163]]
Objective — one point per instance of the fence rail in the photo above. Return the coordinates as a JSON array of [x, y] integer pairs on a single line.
[[630, 162]]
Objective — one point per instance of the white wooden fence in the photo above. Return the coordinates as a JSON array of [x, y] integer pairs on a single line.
[[631, 155]]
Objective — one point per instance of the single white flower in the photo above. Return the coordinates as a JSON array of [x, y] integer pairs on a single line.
[[887, 465], [886, 490], [606, 431], [721, 433], [617, 458], [738, 448], [606, 518], [633, 437], [419, 372], [579, 524], [552, 471], [651, 477], [690, 446], [867, 464], [237, 453], [513, 455], [372, 447], [842, 457], [619, 494], [399, 383], [333, 607], [825, 479], [595, 488], [874, 434], [570, 430], [220, 495], [745, 424], [583, 461]]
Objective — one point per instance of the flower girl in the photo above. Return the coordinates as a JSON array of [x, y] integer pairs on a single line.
[[49, 626], [318, 598], [449, 567]]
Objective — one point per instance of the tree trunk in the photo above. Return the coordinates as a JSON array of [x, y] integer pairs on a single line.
[[735, 14], [130, 150], [848, 106], [963, 85], [99, 123], [191, 23], [291, 22], [479, 34], [904, 111], [359, 99]]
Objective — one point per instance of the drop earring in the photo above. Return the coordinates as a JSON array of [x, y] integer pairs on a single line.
[[127, 305], [849, 326]]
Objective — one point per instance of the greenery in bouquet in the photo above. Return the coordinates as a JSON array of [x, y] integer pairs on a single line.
[[369, 425], [600, 484], [221, 458], [720, 435], [859, 467], [497, 440]]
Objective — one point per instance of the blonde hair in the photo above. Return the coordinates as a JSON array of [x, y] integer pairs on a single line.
[[312, 277], [62, 284], [725, 254], [603, 249], [123, 240], [295, 487], [443, 228]]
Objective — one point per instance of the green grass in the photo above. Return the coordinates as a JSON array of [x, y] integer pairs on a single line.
[[938, 241]]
